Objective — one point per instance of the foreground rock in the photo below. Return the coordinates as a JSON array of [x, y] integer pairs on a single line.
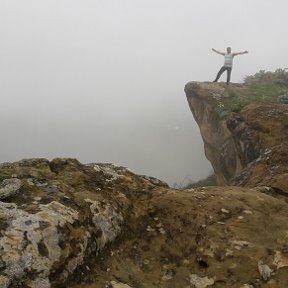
[[54, 215], [207, 237], [65, 224]]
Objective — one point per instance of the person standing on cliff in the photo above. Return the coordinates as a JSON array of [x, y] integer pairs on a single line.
[[228, 63]]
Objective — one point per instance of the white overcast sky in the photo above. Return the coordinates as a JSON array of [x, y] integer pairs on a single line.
[[102, 80]]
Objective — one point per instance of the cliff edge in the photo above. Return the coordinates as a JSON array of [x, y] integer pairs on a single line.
[[245, 140]]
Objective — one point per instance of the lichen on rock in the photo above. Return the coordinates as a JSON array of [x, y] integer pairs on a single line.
[[201, 282], [107, 220], [9, 187], [26, 237]]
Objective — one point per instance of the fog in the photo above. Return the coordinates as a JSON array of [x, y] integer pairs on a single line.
[[103, 80]]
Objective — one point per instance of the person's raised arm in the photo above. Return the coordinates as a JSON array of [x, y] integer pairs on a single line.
[[218, 52], [240, 53]]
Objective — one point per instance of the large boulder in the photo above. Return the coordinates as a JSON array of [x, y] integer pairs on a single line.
[[55, 215]]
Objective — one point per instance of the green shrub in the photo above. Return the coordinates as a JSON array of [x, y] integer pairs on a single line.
[[278, 78], [261, 87]]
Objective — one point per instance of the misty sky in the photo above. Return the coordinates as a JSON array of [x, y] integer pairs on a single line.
[[102, 80]]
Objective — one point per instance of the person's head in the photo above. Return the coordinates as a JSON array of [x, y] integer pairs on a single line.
[[228, 49]]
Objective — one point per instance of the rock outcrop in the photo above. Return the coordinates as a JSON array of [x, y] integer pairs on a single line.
[[247, 147], [65, 224], [55, 215]]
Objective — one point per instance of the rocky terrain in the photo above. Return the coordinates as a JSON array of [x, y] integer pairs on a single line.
[[67, 224]]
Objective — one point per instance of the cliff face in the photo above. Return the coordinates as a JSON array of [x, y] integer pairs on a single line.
[[247, 147]]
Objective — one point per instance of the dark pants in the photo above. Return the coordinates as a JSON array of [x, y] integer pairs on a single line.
[[221, 71]]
